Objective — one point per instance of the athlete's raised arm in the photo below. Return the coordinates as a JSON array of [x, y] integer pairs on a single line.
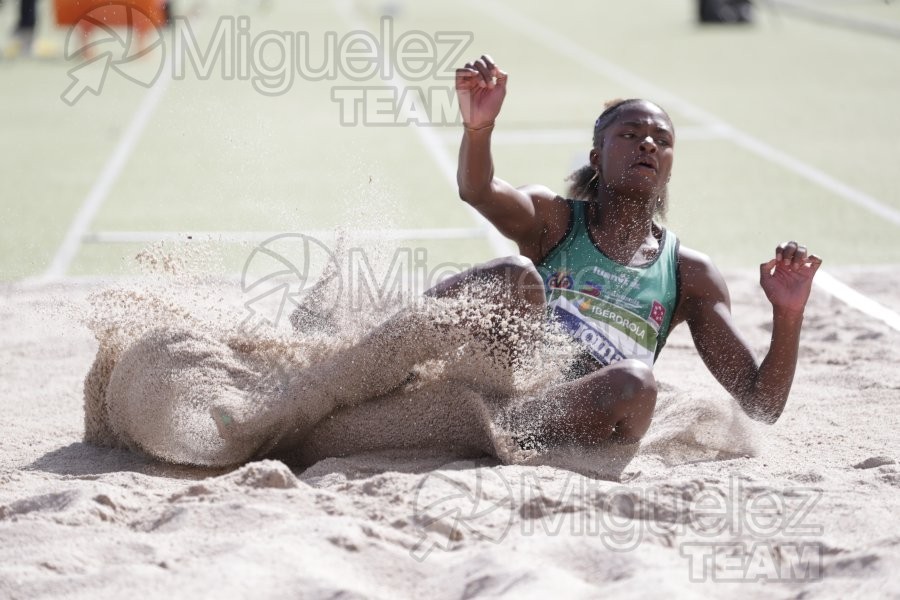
[[521, 213], [760, 388]]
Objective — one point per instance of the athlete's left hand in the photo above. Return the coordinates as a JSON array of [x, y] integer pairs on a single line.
[[787, 278]]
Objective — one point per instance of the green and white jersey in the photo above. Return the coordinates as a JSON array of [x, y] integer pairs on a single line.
[[617, 312]]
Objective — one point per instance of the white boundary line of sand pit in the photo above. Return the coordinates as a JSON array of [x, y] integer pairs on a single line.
[[499, 245], [92, 203], [823, 280], [137, 237], [71, 243], [513, 19], [860, 302]]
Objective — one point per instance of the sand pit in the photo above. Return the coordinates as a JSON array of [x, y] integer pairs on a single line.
[[415, 493]]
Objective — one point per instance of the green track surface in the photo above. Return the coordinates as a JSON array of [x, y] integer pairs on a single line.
[[219, 156]]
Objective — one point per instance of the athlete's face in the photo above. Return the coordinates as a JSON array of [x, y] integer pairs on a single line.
[[636, 152]]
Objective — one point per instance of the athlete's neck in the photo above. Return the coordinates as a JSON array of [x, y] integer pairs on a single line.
[[623, 227]]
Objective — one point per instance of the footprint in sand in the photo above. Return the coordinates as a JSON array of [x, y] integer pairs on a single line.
[[875, 461]]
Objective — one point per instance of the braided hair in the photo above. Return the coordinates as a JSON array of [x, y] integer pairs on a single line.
[[585, 181]]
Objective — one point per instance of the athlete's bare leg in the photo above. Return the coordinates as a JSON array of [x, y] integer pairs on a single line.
[[615, 402], [383, 360], [516, 284]]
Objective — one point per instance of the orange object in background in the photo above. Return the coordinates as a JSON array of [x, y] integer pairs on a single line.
[[114, 13]]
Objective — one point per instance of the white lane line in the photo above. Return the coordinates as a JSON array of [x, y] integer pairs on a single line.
[[108, 176], [862, 303], [499, 245], [816, 13], [817, 176], [563, 45], [138, 237], [588, 59], [573, 136]]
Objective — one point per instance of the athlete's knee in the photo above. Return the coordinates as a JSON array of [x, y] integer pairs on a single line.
[[510, 267], [637, 381], [638, 400], [518, 275]]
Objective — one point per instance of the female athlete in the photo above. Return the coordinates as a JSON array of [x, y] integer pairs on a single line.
[[613, 277]]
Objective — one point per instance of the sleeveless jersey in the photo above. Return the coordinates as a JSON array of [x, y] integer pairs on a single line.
[[615, 311]]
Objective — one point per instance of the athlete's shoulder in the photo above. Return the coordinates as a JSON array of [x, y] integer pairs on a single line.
[[554, 213], [537, 191], [699, 275], [693, 259]]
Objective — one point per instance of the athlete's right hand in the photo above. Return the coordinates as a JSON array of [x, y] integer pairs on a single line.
[[480, 89]]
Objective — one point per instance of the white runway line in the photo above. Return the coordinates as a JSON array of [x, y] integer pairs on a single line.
[[108, 176], [500, 246], [138, 237], [564, 46], [815, 175], [858, 301], [817, 13]]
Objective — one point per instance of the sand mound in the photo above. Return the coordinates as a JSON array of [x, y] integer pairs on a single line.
[[802, 508], [189, 385], [413, 373]]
